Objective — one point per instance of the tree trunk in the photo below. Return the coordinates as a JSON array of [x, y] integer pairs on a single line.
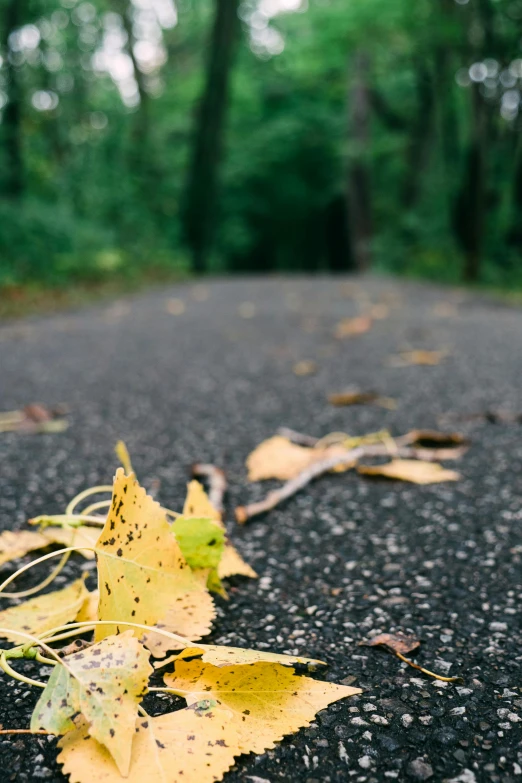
[[420, 138], [469, 212], [12, 119], [358, 179], [201, 189]]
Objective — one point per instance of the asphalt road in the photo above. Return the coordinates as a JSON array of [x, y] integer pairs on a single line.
[[348, 556]]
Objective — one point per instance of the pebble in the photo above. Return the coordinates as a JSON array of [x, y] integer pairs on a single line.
[[420, 770], [406, 719]]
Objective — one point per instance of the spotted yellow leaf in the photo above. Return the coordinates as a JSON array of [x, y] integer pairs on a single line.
[[218, 655], [197, 503], [142, 574], [188, 746], [44, 612], [267, 700], [105, 683]]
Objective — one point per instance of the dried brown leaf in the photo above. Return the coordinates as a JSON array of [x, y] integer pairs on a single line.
[[351, 327], [396, 642]]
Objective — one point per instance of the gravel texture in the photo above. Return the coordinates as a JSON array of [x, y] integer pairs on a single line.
[[204, 373]]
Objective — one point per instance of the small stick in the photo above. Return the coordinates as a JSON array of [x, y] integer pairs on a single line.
[[243, 513], [217, 482], [24, 731]]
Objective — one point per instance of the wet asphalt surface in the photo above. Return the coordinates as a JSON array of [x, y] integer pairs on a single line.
[[344, 559]]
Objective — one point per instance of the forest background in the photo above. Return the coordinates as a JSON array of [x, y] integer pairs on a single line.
[[150, 138]]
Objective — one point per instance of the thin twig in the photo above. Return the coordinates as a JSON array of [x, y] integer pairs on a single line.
[[349, 459], [25, 731], [217, 482], [297, 437]]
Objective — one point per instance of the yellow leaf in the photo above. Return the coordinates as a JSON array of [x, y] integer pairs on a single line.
[[142, 575], [414, 470], [350, 327], [232, 564], [189, 615], [279, 458], [188, 746], [105, 683], [197, 503], [218, 655], [89, 609], [45, 612], [305, 367], [268, 700], [420, 357], [74, 536], [14, 544]]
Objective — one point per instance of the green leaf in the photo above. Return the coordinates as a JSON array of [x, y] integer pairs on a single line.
[[202, 541]]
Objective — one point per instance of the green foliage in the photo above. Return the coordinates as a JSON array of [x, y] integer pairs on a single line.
[[100, 187]]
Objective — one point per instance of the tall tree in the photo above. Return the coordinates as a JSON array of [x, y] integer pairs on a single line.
[[201, 190], [358, 179], [12, 120]]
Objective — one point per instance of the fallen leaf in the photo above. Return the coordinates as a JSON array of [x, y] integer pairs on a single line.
[[175, 306], [305, 367], [247, 310], [379, 311], [89, 609], [419, 357], [279, 458], [218, 655], [430, 439], [267, 700], [45, 612], [396, 642], [82, 536], [192, 745], [232, 564], [34, 418], [15, 544], [142, 574], [350, 327], [416, 471], [105, 683], [197, 504], [201, 541], [357, 397]]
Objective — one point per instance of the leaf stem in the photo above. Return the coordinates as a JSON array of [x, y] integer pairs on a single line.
[[41, 560], [24, 731], [85, 494], [47, 581], [426, 671], [16, 675]]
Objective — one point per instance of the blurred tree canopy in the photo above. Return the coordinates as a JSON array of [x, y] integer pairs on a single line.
[[260, 135]]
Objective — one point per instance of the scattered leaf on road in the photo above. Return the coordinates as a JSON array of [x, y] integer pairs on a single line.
[[142, 574], [351, 327], [357, 397], [279, 458], [416, 471], [232, 564], [433, 439], [419, 357], [14, 544], [83, 536], [217, 655], [268, 700], [305, 367], [189, 746], [105, 683], [396, 642], [45, 612]]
